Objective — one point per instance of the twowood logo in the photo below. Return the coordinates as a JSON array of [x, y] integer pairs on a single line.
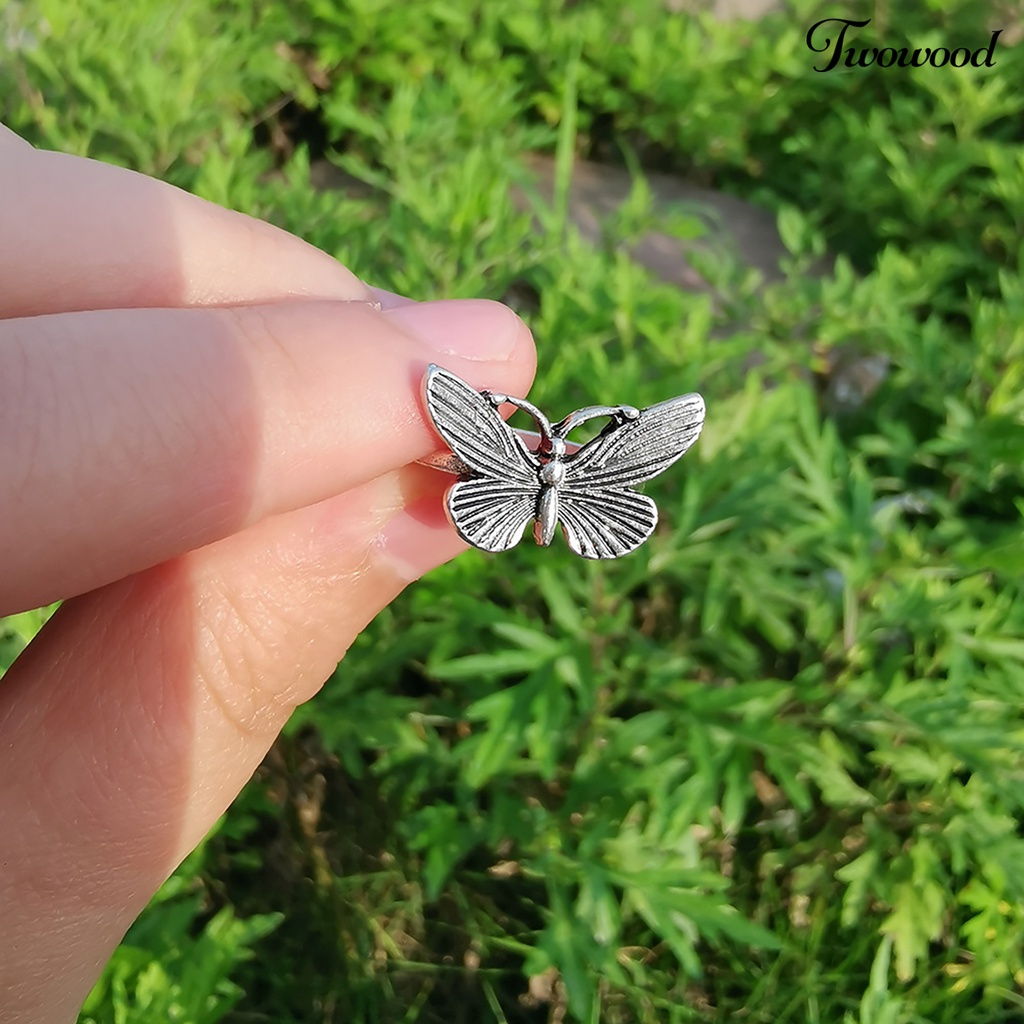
[[888, 56]]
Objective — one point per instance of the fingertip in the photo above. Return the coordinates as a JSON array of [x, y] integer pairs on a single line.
[[389, 300], [479, 339], [9, 137], [417, 539]]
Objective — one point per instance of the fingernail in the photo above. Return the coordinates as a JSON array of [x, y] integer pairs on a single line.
[[470, 328], [388, 300], [418, 539]]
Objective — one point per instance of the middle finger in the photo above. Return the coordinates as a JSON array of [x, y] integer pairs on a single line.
[[132, 436]]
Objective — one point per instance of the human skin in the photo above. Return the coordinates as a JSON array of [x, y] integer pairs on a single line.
[[208, 429]]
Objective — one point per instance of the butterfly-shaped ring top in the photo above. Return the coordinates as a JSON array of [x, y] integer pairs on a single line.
[[503, 484]]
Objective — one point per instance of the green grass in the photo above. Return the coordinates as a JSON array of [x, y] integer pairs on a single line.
[[771, 767]]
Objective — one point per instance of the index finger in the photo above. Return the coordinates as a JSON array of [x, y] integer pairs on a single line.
[[76, 234], [9, 138]]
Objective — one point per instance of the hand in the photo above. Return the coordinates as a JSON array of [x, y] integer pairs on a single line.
[[206, 430]]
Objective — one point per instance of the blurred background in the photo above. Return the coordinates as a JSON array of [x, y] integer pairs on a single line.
[[770, 767]]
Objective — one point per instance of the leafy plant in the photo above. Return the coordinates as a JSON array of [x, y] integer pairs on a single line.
[[771, 764], [174, 963]]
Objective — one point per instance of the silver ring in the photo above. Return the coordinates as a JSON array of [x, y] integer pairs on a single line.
[[505, 481]]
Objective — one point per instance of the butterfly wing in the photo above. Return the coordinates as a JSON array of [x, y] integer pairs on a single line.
[[476, 433], [491, 509], [625, 454], [600, 515], [605, 522], [491, 514]]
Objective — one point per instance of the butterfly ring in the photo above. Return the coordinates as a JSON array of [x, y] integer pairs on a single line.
[[503, 484]]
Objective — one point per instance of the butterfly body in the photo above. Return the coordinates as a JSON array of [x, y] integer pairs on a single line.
[[503, 485], [551, 476]]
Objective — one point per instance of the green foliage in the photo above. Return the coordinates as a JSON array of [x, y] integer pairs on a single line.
[[769, 766], [173, 964], [16, 631]]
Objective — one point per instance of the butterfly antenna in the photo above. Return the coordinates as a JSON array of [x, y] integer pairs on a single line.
[[528, 407], [619, 413]]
